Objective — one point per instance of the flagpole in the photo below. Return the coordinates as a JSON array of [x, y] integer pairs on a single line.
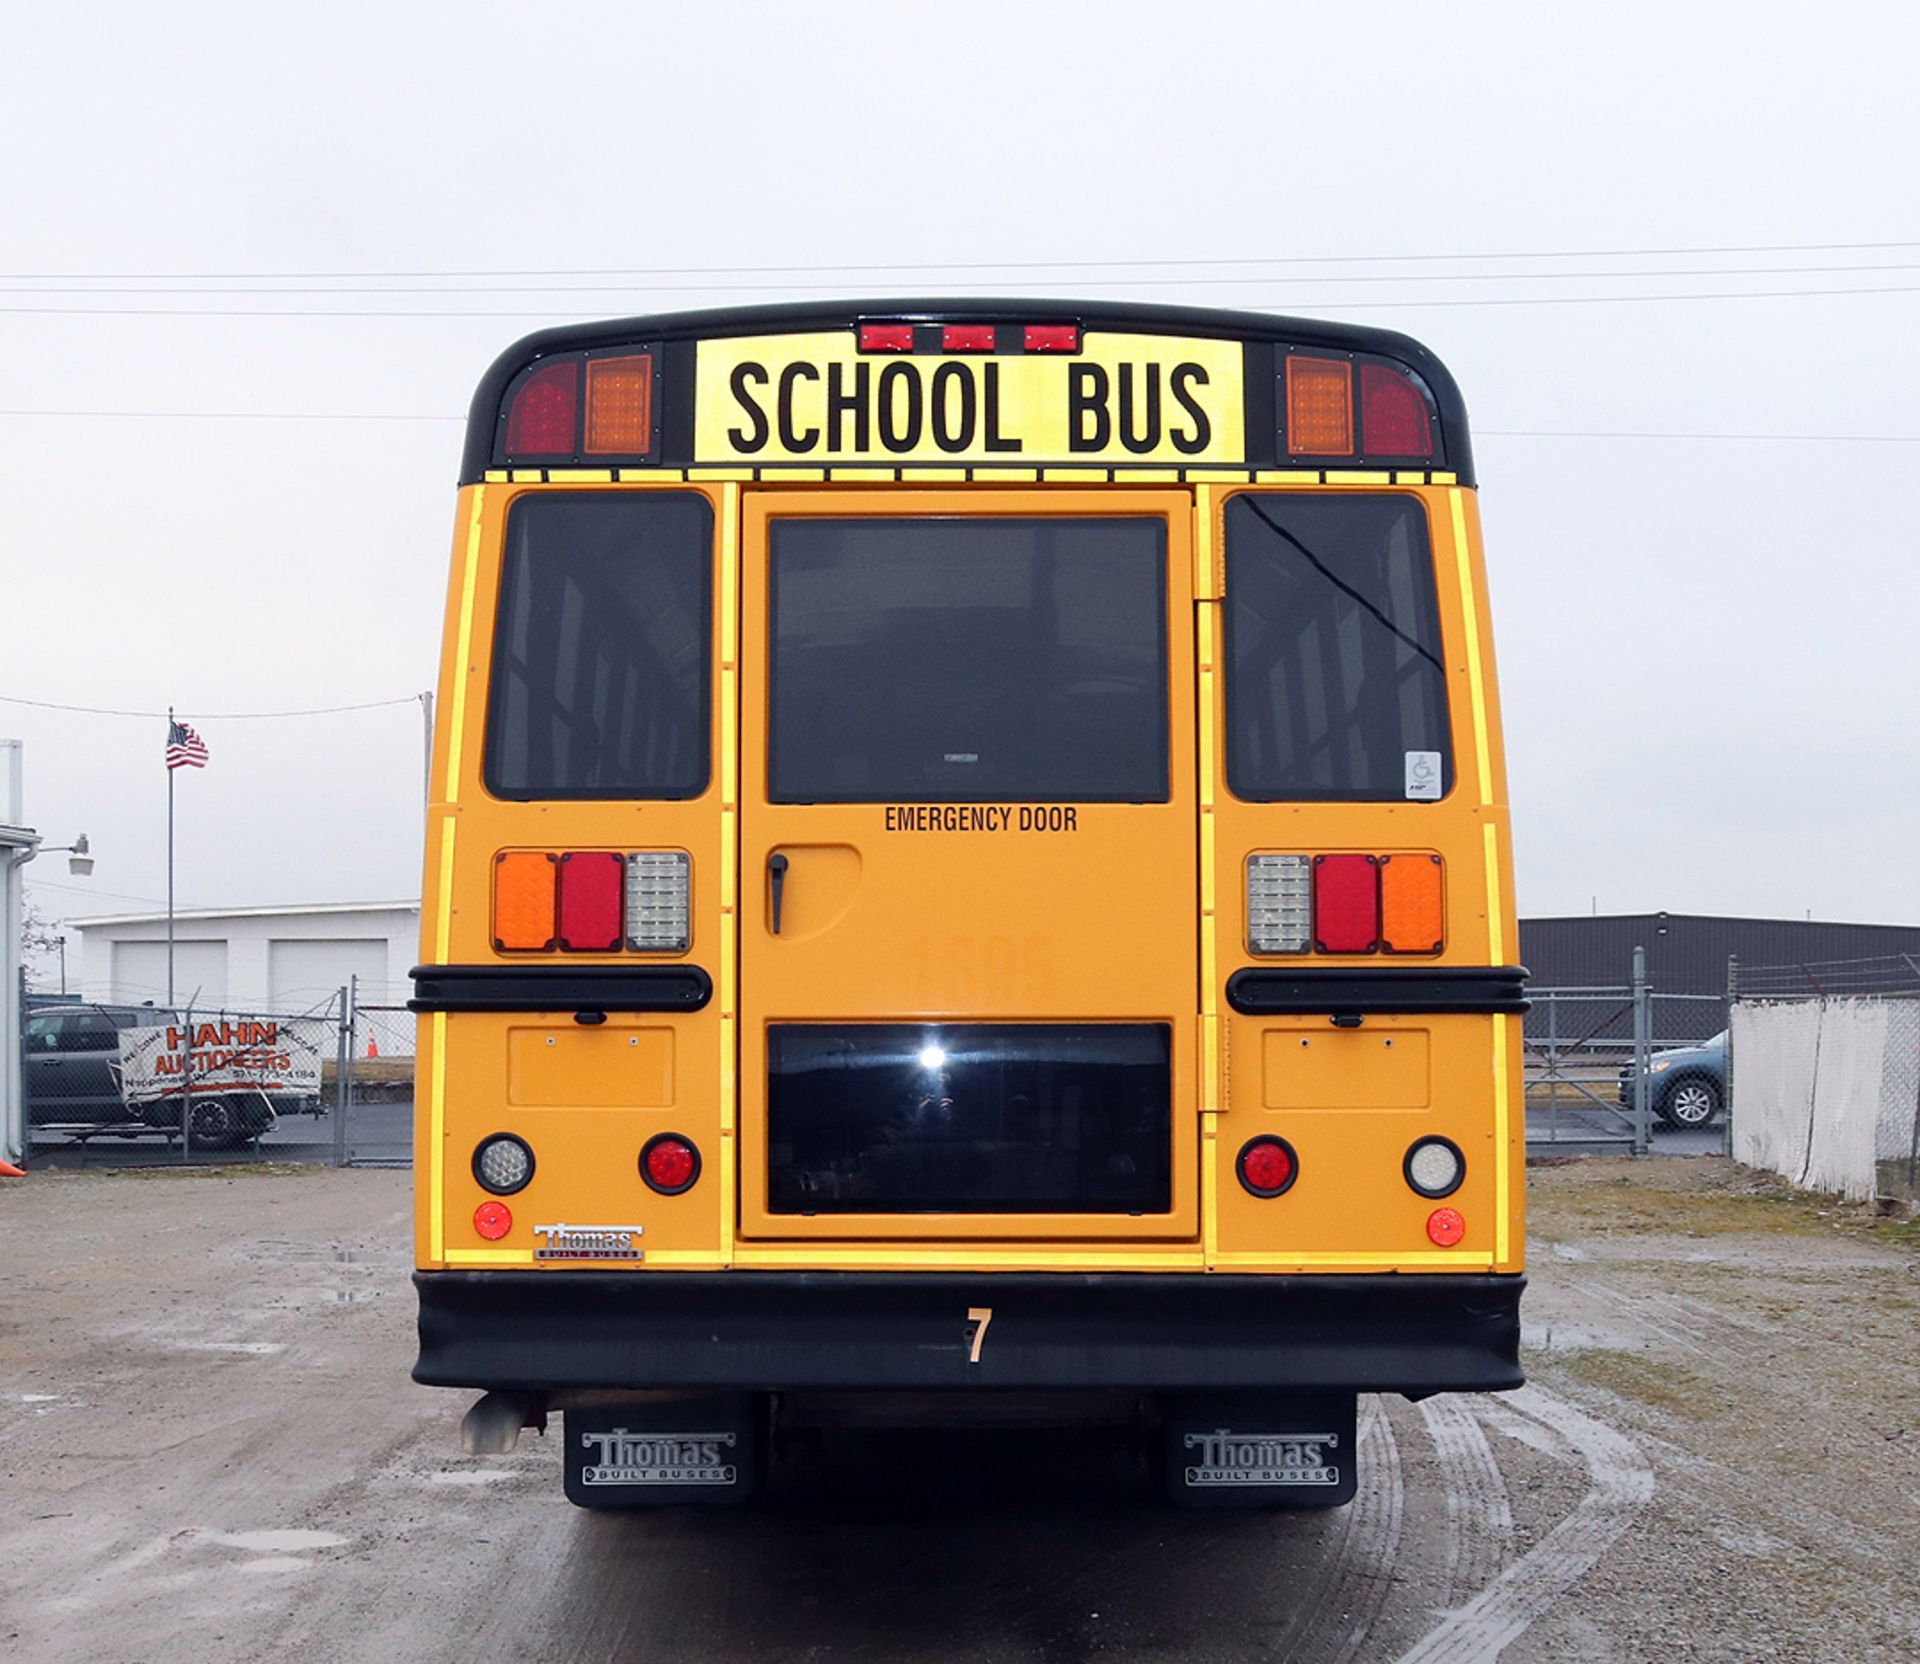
[[171, 771]]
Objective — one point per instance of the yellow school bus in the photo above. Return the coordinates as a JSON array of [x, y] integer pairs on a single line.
[[968, 861]]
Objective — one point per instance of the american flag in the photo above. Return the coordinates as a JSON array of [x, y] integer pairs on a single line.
[[185, 748]]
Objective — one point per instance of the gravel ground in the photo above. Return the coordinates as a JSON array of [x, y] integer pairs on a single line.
[[209, 1449]]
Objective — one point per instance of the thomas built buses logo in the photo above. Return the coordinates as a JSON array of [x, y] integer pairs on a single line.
[[625, 1458], [589, 1242], [1227, 1458]]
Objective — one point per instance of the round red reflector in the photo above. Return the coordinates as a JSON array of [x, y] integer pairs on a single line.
[[669, 1164], [1446, 1226], [493, 1220], [1267, 1165]]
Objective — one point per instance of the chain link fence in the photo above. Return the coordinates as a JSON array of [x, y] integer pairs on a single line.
[[1609, 1068], [146, 1085], [1826, 1077]]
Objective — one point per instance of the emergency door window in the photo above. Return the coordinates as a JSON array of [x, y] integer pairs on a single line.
[[1336, 685], [968, 660], [601, 650]]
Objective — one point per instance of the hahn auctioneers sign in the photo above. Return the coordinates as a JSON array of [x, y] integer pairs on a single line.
[[229, 1054], [1121, 399]]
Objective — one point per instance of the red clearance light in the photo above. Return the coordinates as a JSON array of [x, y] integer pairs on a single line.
[[545, 418], [1267, 1165], [669, 1163], [1346, 903], [1394, 420], [592, 902], [492, 1220], [1446, 1226], [886, 337], [1052, 338], [967, 338]]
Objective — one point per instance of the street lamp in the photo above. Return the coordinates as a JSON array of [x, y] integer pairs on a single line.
[[79, 856]]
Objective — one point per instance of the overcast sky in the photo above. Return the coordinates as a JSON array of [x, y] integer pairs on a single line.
[[1707, 645]]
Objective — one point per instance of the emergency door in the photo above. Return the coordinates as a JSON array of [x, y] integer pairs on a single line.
[[967, 866]]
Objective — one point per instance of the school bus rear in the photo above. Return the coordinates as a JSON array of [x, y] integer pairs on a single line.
[[969, 857]]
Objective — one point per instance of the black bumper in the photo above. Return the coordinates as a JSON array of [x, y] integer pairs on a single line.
[[765, 1330]]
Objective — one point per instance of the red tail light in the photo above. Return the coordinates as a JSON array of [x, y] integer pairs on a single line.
[[669, 1163], [1394, 420], [492, 1220], [592, 902], [1267, 1165], [1346, 903], [1446, 1226], [545, 418]]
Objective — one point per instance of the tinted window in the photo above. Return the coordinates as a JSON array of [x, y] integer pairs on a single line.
[[970, 1118], [601, 648], [968, 660], [1334, 664]]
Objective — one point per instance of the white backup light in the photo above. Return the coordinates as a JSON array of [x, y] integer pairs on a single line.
[[1279, 903], [503, 1165], [1435, 1167], [659, 887]]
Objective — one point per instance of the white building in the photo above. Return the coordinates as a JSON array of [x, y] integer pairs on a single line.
[[282, 959]]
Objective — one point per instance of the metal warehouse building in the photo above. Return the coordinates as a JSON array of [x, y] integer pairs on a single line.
[[1687, 953]]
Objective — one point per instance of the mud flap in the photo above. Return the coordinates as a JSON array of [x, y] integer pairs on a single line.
[[703, 1451], [1259, 1450]]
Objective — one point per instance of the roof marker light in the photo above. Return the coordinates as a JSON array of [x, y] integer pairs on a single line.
[[886, 337], [1051, 338], [967, 338]]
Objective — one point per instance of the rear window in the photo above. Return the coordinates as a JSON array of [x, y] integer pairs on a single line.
[[602, 646], [968, 660], [1336, 686]]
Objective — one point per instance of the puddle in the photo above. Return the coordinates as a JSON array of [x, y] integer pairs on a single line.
[[278, 1542]]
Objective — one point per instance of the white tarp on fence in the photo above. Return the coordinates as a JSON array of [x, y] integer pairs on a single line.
[[1813, 1081]]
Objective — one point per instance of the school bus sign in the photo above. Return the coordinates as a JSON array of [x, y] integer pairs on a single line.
[[1120, 399]]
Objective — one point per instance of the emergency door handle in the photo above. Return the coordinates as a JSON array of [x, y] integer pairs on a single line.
[[777, 870]]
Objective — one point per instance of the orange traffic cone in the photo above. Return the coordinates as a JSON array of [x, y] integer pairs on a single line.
[[9, 1171], [373, 1046]]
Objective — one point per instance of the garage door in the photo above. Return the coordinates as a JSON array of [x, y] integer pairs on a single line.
[[199, 973], [301, 974]]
